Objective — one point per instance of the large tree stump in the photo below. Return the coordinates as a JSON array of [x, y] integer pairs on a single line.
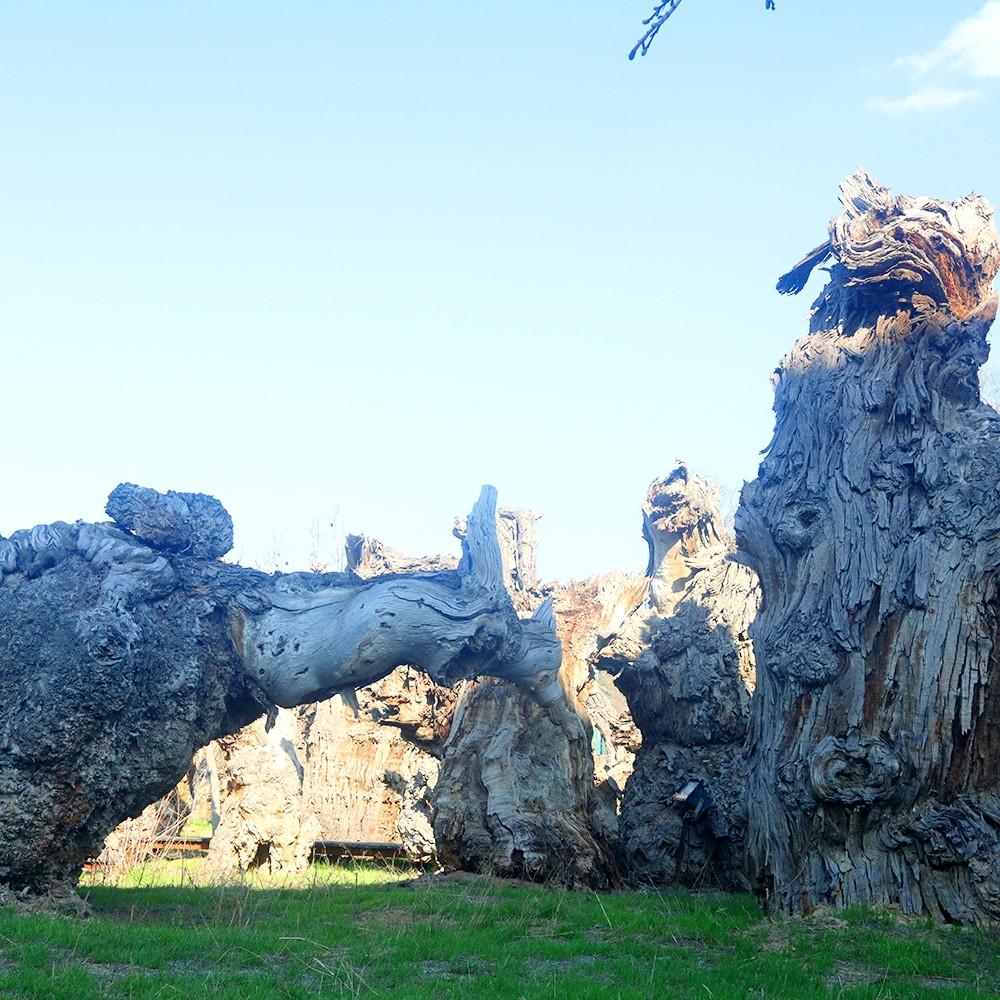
[[685, 663], [874, 525], [123, 651]]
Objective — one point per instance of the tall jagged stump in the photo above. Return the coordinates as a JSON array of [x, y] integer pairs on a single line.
[[874, 525]]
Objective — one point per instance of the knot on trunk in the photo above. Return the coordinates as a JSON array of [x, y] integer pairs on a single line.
[[111, 638], [954, 835], [800, 523], [856, 771], [805, 650], [192, 524], [109, 635]]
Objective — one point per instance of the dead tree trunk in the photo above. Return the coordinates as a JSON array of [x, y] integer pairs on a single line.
[[125, 648], [515, 794], [685, 663], [367, 774], [874, 525], [262, 824], [357, 777]]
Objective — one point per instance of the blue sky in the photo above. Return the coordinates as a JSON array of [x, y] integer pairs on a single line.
[[318, 258]]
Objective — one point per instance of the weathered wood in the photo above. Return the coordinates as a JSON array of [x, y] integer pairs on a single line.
[[191, 523], [332, 771], [519, 792], [685, 663], [515, 794], [588, 612], [118, 660], [310, 637], [516, 797], [518, 548], [262, 824], [368, 763], [368, 557], [367, 776], [874, 524]]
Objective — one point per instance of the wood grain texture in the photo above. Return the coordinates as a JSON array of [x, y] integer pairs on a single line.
[[516, 793], [685, 663], [874, 525], [119, 659]]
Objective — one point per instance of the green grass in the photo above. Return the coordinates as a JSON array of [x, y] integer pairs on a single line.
[[197, 828], [359, 932]]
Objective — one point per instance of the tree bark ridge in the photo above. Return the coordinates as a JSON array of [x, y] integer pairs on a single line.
[[874, 525]]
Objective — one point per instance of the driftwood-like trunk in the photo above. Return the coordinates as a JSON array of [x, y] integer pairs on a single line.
[[685, 663], [365, 762], [124, 648], [515, 794], [368, 764], [516, 797], [874, 525]]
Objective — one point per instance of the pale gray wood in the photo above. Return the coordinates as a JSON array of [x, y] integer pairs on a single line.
[[369, 776], [515, 794], [118, 660]]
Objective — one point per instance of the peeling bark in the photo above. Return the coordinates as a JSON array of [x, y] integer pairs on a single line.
[[874, 524], [118, 659]]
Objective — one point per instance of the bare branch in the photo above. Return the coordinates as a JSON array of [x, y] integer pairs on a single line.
[[656, 20]]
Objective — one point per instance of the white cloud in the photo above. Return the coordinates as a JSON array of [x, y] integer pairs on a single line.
[[971, 49], [973, 46], [925, 99]]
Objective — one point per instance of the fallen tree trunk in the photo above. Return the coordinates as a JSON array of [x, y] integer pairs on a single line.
[[366, 774], [874, 524], [125, 648], [357, 777], [515, 794]]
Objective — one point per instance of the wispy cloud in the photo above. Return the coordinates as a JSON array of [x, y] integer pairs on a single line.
[[972, 48], [925, 99]]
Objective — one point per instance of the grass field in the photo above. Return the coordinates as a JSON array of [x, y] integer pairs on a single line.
[[360, 932]]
